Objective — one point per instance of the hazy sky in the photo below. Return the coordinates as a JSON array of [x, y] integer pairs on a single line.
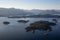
[[31, 4]]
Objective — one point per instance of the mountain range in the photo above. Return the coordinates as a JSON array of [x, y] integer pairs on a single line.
[[14, 12]]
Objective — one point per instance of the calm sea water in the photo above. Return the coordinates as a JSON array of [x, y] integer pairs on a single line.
[[16, 31]]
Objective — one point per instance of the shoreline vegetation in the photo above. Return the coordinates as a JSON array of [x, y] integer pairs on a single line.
[[36, 16]]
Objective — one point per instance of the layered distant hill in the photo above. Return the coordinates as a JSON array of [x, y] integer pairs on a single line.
[[14, 11], [36, 11]]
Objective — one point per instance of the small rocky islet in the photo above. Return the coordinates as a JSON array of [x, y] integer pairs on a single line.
[[23, 21], [6, 22]]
